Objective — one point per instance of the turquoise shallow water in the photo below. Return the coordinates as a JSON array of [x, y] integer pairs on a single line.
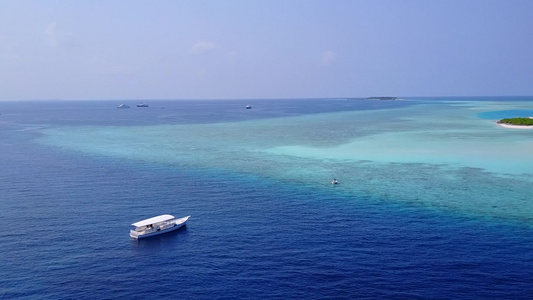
[[437, 154], [433, 200]]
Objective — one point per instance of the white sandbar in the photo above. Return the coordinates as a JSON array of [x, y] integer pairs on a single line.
[[515, 126]]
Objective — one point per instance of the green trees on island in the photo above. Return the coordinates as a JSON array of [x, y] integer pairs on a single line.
[[517, 121]]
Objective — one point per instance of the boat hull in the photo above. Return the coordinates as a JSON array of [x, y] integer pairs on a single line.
[[177, 225], [157, 232]]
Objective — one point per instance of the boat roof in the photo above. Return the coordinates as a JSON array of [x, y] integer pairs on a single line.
[[161, 218]]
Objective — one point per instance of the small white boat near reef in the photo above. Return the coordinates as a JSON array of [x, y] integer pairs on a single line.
[[157, 225]]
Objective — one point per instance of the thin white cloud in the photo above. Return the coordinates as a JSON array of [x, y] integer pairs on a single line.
[[203, 46], [51, 34], [57, 37], [328, 58]]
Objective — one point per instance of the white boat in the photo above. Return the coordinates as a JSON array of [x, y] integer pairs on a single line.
[[123, 106], [248, 107], [156, 225], [334, 181]]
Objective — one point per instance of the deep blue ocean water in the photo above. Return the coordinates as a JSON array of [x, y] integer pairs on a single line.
[[65, 216]]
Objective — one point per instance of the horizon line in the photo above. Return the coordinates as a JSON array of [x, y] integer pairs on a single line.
[[254, 99]]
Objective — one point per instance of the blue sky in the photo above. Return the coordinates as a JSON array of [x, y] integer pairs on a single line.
[[264, 49]]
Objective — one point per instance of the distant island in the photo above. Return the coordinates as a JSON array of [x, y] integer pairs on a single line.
[[382, 98], [516, 122]]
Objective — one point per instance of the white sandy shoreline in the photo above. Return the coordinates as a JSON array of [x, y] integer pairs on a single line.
[[514, 126]]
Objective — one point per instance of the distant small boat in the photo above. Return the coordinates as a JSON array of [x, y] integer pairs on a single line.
[[334, 181], [156, 225], [123, 106], [248, 107], [142, 105]]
